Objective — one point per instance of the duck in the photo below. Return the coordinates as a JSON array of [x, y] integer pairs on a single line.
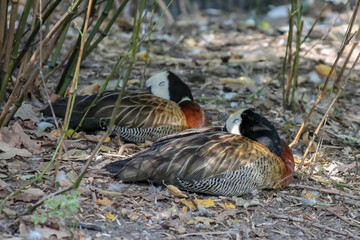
[[215, 162], [153, 134], [164, 107]]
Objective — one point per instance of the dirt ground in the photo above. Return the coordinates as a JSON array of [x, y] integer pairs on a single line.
[[229, 63]]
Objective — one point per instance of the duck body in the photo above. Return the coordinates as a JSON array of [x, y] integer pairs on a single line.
[[157, 115], [217, 163]]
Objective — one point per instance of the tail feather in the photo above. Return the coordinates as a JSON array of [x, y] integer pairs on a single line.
[[115, 167], [89, 123], [59, 109]]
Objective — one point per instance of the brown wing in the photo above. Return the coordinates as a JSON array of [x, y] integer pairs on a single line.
[[139, 110], [202, 162], [191, 131]]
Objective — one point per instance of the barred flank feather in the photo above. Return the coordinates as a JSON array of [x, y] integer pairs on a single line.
[[140, 135]]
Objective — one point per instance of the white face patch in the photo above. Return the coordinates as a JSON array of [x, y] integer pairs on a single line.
[[233, 122], [159, 84]]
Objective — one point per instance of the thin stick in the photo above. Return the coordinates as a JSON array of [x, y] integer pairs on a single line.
[[33, 35], [287, 61], [315, 22], [299, 27], [96, 27], [59, 66], [347, 220], [11, 34], [47, 38], [204, 233], [117, 66], [31, 63], [27, 86], [313, 224], [331, 104], [339, 77], [58, 49], [168, 14], [3, 24], [94, 152], [9, 43], [329, 191], [339, 54], [48, 22], [73, 88]]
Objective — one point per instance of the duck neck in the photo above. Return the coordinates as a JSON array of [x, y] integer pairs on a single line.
[[194, 115], [288, 159]]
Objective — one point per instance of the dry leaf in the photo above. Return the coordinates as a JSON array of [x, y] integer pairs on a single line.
[[323, 70], [63, 183], [89, 90], [133, 216], [9, 212], [181, 230], [105, 201], [8, 151], [175, 191], [240, 80], [28, 124], [104, 148], [26, 112], [190, 42], [306, 138], [50, 233], [306, 163], [3, 184], [55, 133], [71, 133], [247, 203], [144, 56], [7, 136], [72, 175], [183, 214], [29, 144], [310, 195], [69, 144], [109, 216], [199, 202], [205, 220], [34, 191], [227, 205], [92, 138], [205, 203], [75, 154]]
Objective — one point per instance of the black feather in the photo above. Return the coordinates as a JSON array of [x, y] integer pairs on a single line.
[[176, 85], [256, 127]]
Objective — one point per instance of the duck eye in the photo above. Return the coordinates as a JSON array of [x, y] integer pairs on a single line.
[[162, 83], [236, 121]]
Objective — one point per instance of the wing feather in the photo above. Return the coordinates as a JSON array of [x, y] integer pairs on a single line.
[[209, 156]]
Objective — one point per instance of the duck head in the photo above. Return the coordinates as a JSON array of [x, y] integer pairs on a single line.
[[169, 86], [256, 127], [232, 124]]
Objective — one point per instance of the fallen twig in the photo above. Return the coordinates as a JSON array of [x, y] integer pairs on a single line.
[[330, 191], [295, 219], [204, 233], [345, 219]]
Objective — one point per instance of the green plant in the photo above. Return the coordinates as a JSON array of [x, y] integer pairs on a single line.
[[61, 206]]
